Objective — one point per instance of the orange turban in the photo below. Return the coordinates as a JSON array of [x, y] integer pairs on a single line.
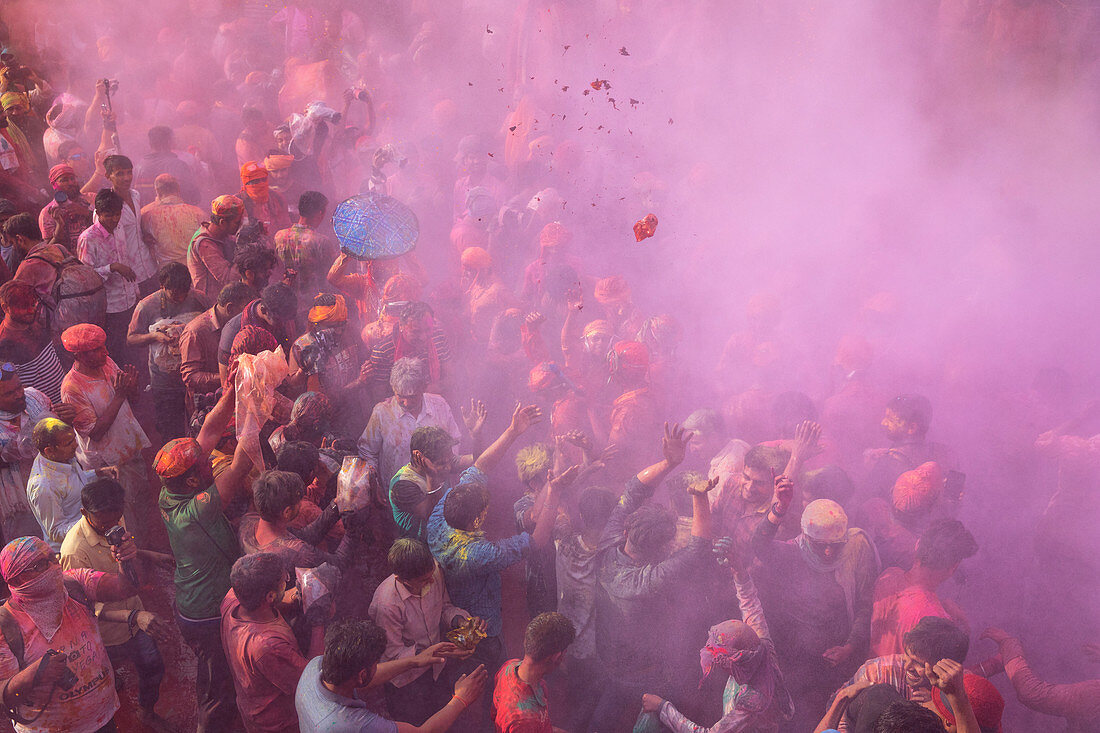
[[324, 311], [543, 376], [476, 258], [612, 290], [83, 337], [251, 171], [916, 491], [401, 288], [177, 457], [278, 162], [555, 234], [630, 356], [598, 326]]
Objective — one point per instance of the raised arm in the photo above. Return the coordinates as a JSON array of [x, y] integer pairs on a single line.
[[522, 418], [781, 503], [1080, 700]]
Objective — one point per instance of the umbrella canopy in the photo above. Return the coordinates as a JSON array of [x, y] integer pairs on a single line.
[[373, 226]]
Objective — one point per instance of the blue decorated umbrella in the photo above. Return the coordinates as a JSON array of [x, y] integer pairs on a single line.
[[373, 226]]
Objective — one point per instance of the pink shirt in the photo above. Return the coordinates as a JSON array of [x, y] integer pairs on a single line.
[[92, 701], [266, 665], [412, 623], [90, 396], [172, 223], [898, 607], [101, 249]]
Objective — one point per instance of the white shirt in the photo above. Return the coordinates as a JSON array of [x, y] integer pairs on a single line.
[[139, 256], [385, 441], [100, 248], [17, 450], [54, 494]]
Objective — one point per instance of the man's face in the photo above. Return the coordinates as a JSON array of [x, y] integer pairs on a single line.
[[121, 179], [33, 571], [234, 225], [279, 178], [439, 470], [827, 551], [597, 344], [896, 428], [102, 522], [68, 184], [914, 669], [109, 219], [176, 295], [418, 585], [258, 279], [80, 161], [416, 331], [410, 402], [23, 313], [94, 358], [282, 139], [64, 449], [469, 274], [12, 398], [756, 484]]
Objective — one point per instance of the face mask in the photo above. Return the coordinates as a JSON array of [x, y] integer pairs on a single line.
[[43, 599], [257, 191]]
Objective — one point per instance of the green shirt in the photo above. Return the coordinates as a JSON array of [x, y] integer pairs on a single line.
[[205, 548]]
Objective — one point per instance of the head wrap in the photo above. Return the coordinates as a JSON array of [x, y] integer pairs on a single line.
[[228, 207], [612, 290], [733, 647], [66, 115], [311, 410], [12, 100], [251, 171], [59, 170], [555, 234], [400, 288], [598, 326], [277, 162], [328, 314], [177, 457], [43, 597], [660, 332], [824, 520], [252, 340], [630, 356], [916, 491], [480, 203], [544, 376], [984, 698], [83, 337], [476, 258]]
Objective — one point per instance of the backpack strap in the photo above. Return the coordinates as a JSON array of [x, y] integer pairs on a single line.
[[13, 635]]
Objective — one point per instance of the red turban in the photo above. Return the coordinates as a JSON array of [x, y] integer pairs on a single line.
[[20, 554], [59, 170], [227, 206], [177, 457], [476, 258], [630, 356], [555, 234], [83, 337], [401, 288], [252, 171], [917, 490], [543, 377]]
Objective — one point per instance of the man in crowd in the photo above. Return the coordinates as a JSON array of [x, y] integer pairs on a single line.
[[20, 410], [906, 424], [157, 324], [104, 247], [170, 221], [262, 206], [273, 312], [107, 433], [69, 206], [210, 254], [161, 160], [199, 342], [303, 249], [25, 340], [120, 172], [330, 355], [86, 546], [521, 696], [416, 335]]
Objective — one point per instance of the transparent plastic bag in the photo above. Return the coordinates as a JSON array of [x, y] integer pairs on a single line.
[[317, 588], [167, 355], [256, 380], [353, 484]]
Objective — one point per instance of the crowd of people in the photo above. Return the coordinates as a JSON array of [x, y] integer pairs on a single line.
[[473, 486]]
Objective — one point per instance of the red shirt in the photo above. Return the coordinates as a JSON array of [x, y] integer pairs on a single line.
[[266, 665], [520, 709], [897, 609]]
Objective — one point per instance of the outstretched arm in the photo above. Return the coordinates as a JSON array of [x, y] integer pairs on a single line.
[[522, 419]]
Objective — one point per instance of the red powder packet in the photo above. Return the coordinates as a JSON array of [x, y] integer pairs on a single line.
[[645, 227]]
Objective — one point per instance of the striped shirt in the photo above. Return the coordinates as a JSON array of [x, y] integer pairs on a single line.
[[384, 354], [35, 358]]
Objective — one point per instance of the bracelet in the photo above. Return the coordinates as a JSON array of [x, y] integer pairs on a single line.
[[459, 698], [775, 510], [130, 621]]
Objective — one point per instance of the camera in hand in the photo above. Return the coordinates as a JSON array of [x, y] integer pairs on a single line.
[[68, 677], [315, 355], [115, 537]]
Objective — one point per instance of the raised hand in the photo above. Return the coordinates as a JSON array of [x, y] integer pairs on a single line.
[[524, 417], [474, 416], [469, 687], [702, 488], [674, 444], [566, 478], [807, 437], [947, 674], [784, 493]]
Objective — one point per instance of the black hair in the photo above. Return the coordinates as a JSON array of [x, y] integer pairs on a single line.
[[548, 634], [236, 292], [935, 638], [913, 408], [649, 528], [767, 458], [254, 258], [351, 646], [298, 457], [174, 276], [115, 163], [434, 442], [23, 225], [254, 576], [107, 201], [103, 495], [67, 148], [410, 558], [275, 491], [279, 300], [464, 504], [595, 506], [829, 482], [945, 544], [311, 203], [906, 716], [160, 137]]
